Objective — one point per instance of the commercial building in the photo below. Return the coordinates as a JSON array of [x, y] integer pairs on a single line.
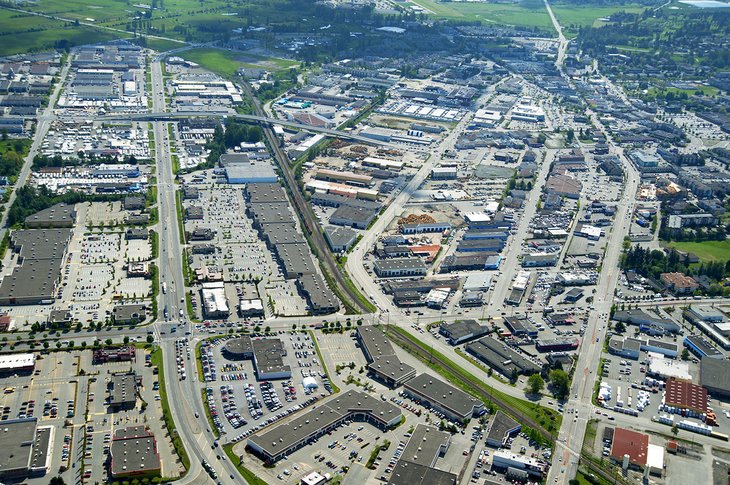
[[116, 354], [432, 392], [556, 344], [400, 267], [417, 464], [129, 314], [662, 368], [679, 221], [133, 453], [122, 388], [25, 449], [647, 323], [274, 443], [425, 227], [241, 169], [215, 303], [444, 173], [463, 331], [501, 357], [267, 356], [383, 364], [715, 377], [701, 347], [628, 348], [540, 260], [37, 273], [520, 326], [506, 460], [16, 363], [501, 429]]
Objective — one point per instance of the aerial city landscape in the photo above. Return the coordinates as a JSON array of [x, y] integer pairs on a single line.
[[408, 242]]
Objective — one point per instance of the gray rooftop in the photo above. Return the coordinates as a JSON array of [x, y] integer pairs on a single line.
[[463, 328], [133, 449], [425, 445], [58, 215], [407, 473], [268, 355], [123, 390], [394, 264], [443, 394], [16, 438], [280, 438], [715, 374], [339, 236], [501, 426], [267, 192]]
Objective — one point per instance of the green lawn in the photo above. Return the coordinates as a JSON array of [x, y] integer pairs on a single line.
[[227, 63], [527, 13], [706, 250]]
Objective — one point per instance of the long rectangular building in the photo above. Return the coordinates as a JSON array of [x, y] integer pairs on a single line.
[[275, 443], [441, 396], [501, 357]]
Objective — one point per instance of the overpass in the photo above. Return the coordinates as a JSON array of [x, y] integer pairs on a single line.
[[178, 115]]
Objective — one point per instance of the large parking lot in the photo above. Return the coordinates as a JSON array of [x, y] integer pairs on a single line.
[[68, 392], [241, 258], [239, 403]]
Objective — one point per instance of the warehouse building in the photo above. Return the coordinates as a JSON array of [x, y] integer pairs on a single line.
[[432, 392], [356, 217], [540, 260], [320, 299], [241, 169], [715, 377], [501, 357], [274, 443], [400, 267], [683, 397], [340, 239], [460, 332]]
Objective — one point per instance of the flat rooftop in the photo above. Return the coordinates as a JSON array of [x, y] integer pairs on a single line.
[[443, 394], [16, 439], [425, 445]]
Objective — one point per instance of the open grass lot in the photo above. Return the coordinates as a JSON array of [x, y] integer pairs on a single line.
[[572, 16], [28, 33], [706, 250], [226, 63], [526, 13]]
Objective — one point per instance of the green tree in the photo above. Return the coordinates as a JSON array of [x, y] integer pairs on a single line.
[[56, 481], [620, 327], [685, 354], [150, 339], [535, 384], [559, 383]]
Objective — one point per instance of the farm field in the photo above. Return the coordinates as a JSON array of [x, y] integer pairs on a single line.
[[29, 33]]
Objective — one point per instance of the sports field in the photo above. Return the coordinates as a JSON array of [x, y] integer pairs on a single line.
[[525, 13]]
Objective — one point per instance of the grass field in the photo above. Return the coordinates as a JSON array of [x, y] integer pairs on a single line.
[[527, 13], [227, 63], [572, 16], [30, 33], [706, 250]]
